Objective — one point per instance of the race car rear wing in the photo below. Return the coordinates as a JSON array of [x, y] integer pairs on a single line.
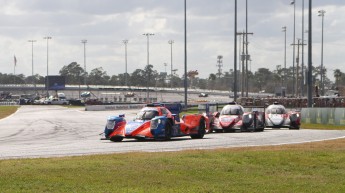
[[254, 108], [174, 108]]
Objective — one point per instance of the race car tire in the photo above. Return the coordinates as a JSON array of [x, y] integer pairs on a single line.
[[116, 139], [201, 130], [168, 130], [219, 130], [293, 128], [261, 129]]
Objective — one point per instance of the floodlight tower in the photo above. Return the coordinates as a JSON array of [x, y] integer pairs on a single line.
[[219, 65], [125, 42], [322, 15], [47, 38], [84, 42], [32, 62]]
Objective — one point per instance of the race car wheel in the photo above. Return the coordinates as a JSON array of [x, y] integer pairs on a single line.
[[116, 139], [243, 128], [201, 130], [168, 130]]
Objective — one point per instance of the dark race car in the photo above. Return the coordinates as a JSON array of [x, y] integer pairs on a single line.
[[233, 117], [276, 116], [156, 122]]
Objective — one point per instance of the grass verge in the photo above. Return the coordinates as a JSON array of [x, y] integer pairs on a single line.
[[312, 167], [7, 111], [322, 127]]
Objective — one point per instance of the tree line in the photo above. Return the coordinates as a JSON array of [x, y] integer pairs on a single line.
[[262, 79]]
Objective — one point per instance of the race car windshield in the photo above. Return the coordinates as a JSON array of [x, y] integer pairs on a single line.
[[231, 111], [276, 111], [146, 115]]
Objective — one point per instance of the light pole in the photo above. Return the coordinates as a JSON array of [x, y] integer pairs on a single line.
[[126, 79], [84, 42], [171, 42], [302, 64], [32, 62], [148, 46], [284, 30], [235, 52], [246, 74], [47, 82], [185, 55], [294, 43], [148, 61], [322, 15], [310, 54]]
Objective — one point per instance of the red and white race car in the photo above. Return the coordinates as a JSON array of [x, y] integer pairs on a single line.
[[276, 116], [233, 117]]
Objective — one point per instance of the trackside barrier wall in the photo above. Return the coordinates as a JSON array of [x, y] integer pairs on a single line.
[[9, 103], [112, 107], [331, 116]]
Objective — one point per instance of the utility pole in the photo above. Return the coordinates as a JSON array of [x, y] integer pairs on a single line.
[[244, 57], [297, 63]]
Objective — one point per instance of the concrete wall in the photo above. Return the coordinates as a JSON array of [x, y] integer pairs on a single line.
[[332, 116]]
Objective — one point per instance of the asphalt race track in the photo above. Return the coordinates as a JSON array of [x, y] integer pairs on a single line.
[[53, 131]]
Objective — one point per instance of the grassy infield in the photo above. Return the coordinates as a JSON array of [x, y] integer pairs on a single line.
[[311, 167]]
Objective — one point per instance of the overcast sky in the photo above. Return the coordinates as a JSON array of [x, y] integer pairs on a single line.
[[105, 23]]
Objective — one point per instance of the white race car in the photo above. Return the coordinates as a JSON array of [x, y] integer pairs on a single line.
[[276, 116]]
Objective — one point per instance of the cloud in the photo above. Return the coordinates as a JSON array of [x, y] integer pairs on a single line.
[[105, 23]]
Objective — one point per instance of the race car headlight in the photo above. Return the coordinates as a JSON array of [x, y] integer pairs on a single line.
[[297, 115], [250, 116], [155, 123]]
